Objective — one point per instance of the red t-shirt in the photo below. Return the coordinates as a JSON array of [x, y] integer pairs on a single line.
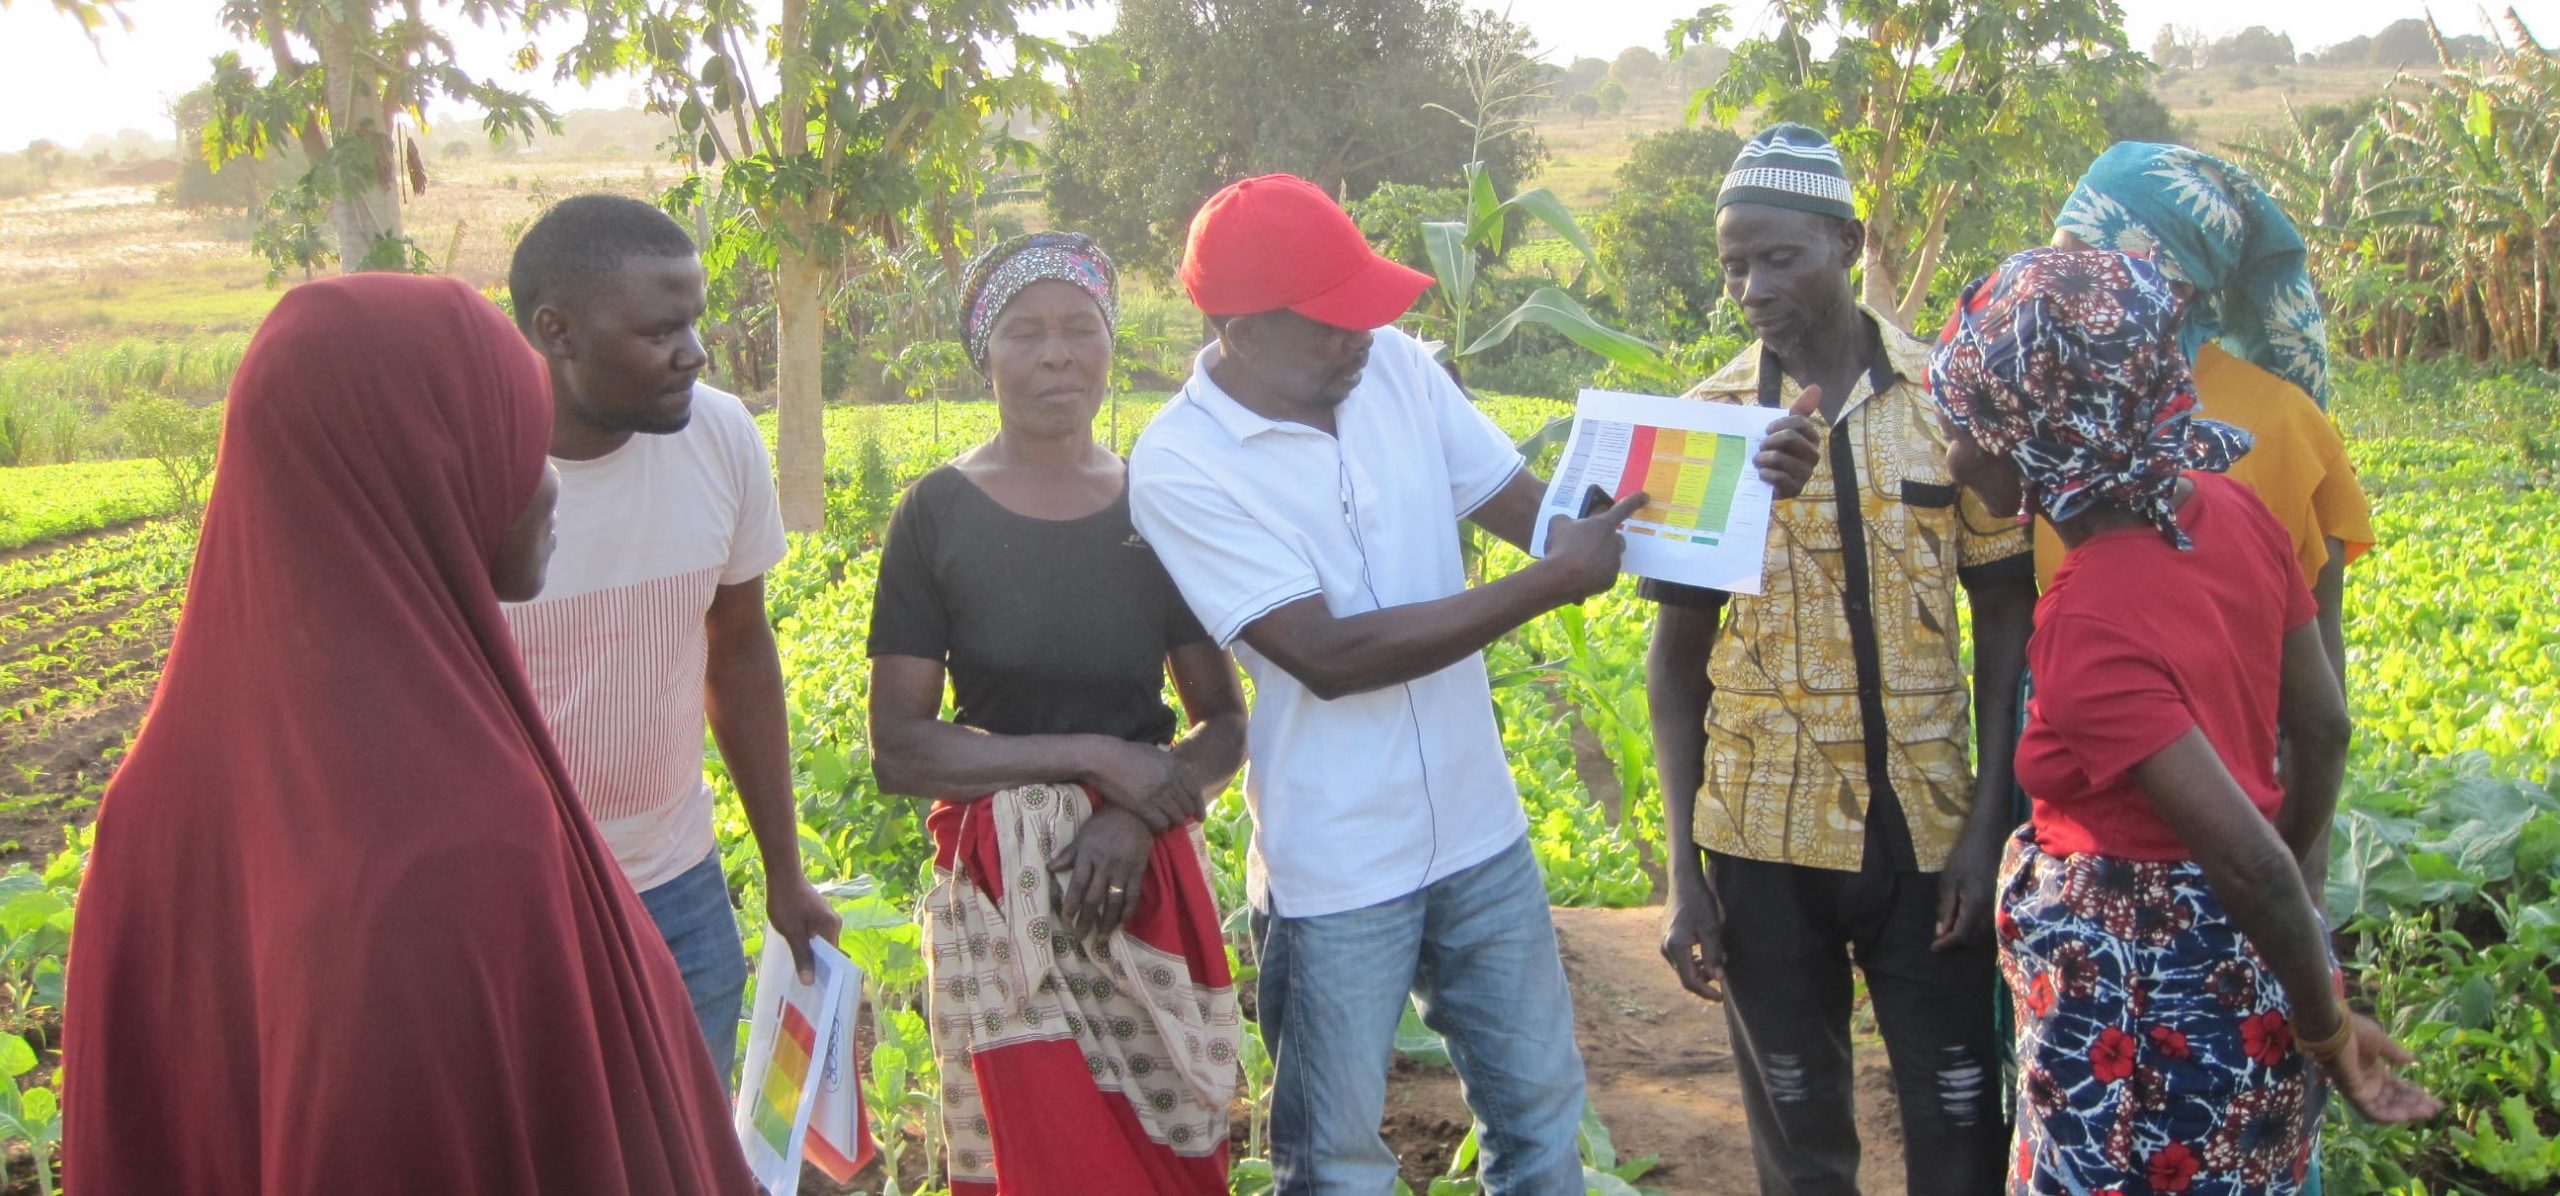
[[2138, 641]]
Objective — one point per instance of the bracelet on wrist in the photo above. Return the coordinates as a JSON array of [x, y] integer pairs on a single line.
[[2330, 1049]]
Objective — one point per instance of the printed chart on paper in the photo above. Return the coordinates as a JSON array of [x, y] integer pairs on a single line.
[[1707, 519], [792, 1102]]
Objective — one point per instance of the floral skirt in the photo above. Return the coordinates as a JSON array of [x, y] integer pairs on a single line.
[[2155, 1049], [1072, 1065]]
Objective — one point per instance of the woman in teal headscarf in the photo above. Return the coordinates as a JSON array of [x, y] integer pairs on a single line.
[[2253, 329], [2209, 226]]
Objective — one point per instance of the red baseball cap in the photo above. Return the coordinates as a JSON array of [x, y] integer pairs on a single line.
[[1278, 241]]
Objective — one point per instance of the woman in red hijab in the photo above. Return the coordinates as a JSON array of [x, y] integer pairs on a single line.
[[345, 927]]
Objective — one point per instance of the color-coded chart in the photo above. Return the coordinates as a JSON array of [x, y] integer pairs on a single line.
[[779, 1113], [797, 1090], [1706, 521], [1691, 476]]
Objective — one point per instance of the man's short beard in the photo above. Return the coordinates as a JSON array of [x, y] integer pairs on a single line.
[[647, 427], [636, 423], [1804, 335], [1792, 344]]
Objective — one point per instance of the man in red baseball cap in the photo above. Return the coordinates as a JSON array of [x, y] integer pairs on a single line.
[[1279, 242], [1303, 491]]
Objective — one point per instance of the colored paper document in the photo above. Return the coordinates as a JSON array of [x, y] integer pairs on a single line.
[[1706, 521], [799, 1055]]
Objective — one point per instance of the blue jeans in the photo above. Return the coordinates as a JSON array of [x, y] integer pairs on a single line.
[[694, 916], [1479, 952]]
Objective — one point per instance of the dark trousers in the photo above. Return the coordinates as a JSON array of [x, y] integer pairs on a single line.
[[1790, 936]]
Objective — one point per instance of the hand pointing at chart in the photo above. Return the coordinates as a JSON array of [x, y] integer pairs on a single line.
[[1787, 454], [1682, 474], [1583, 554]]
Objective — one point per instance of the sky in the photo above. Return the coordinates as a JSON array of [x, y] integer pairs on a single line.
[[56, 85]]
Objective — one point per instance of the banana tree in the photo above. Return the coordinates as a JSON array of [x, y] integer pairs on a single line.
[[1453, 247]]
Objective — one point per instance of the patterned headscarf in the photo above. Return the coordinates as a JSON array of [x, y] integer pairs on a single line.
[[2209, 224], [2066, 363], [1000, 273]]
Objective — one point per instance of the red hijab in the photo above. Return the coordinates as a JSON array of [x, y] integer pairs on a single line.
[[345, 928]]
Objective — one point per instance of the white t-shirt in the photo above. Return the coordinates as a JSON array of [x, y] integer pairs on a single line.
[[1366, 798], [616, 644]]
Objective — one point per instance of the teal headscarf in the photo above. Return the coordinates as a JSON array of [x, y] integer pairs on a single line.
[[2209, 224]]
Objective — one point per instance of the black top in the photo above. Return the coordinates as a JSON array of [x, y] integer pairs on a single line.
[[1047, 626]]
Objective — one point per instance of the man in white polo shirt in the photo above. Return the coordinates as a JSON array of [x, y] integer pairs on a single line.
[[653, 616], [1304, 492]]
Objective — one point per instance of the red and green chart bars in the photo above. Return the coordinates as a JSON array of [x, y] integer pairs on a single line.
[[778, 1110], [1691, 476], [799, 1091], [1705, 521]]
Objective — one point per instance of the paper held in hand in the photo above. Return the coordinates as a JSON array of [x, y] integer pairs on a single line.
[[1707, 523], [800, 1086]]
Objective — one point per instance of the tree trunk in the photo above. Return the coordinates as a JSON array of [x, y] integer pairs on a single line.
[[1881, 269], [1915, 294], [800, 308], [1880, 264], [364, 205]]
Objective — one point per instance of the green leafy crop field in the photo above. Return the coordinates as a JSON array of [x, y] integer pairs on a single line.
[[49, 502]]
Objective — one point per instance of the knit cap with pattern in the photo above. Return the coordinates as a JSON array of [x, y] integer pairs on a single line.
[[1789, 166]]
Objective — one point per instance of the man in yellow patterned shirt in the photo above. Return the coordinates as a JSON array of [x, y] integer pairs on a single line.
[[1812, 739]]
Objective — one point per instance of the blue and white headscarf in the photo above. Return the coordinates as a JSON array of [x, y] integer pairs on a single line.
[[2064, 363], [2209, 224]]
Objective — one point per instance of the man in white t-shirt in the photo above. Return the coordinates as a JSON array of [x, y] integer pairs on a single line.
[[1304, 491], [653, 617]]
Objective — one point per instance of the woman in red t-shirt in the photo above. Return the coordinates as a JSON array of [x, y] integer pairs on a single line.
[[2179, 1009]]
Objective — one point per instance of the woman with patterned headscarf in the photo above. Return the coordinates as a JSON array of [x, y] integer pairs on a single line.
[[1081, 1003], [2180, 1020], [2253, 334]]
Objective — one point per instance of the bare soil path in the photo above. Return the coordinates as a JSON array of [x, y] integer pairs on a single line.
[[1660, 1069]]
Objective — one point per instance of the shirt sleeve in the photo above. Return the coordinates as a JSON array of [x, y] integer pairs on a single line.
[[1480, 457], [1984, 538], [2110, 699], [756, 544], [2339, 501], [2274, 545], [1229, 566], [908, 617]]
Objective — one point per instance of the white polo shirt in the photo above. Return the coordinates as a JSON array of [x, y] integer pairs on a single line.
[[1370, 797]]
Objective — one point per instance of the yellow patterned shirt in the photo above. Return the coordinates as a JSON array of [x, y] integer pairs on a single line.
[[1845, 671]]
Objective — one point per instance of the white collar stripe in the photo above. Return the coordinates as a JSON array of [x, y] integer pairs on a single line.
[[1780, 178]]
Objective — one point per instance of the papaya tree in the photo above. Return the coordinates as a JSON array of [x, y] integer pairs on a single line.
[[340, 76], [842, 120], [1962, 122]]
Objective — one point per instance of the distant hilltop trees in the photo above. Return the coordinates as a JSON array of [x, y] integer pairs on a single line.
[[2401, 43]]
